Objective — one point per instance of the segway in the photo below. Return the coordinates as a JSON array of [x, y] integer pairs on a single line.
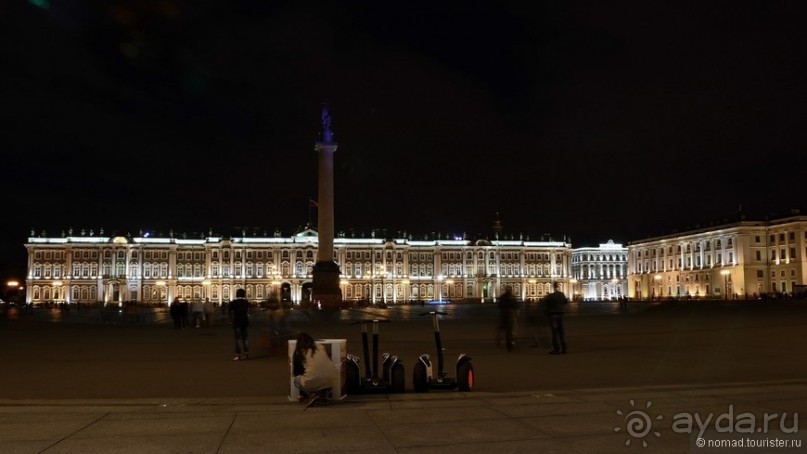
[[392, 377], [425, 377]]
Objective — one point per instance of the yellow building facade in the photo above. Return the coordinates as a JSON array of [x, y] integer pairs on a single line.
[[745, 259], [92, 269]]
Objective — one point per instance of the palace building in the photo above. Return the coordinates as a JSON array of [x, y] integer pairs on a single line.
[[600, 273], [744, 259], [89, 268]]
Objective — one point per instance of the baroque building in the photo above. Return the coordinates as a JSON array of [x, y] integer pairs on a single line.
[[744, 259], [600, 273], [155, 269]]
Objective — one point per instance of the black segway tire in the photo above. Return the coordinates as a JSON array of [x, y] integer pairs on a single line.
[[465, 376], [398, 379], [420, 382], [385, 366], [352, 378]]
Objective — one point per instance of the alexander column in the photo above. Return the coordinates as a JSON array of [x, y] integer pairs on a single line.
[[326, 271]]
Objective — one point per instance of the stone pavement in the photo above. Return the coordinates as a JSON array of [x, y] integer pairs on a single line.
[[629, 380], [568, 421]]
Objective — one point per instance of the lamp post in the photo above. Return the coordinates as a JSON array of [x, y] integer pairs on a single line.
[[572, 281], [725, 274], [276, 290], [657, 278], [12, 289], [614, 287], [440, 287], [384, 287], [164, 288], [343, 283], [532, 285], [407, 291], [57, 288], [205, 288]]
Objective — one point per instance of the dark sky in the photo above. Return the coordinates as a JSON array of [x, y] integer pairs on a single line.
[[593, 120]]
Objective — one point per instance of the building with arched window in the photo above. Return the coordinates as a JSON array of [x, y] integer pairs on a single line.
[[744, 259], [600, 273], [155, 269]]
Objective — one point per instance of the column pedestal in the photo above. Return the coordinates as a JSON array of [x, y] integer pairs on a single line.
[[325, 289]]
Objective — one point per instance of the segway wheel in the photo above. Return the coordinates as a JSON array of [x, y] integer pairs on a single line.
[[385, 366], [465, 376], [398, 379], [420, 382], [352, 378]]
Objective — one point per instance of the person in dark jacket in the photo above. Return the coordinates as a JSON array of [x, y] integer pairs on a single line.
[[175, 315], [554, 308], [507, 311], [239, 313]]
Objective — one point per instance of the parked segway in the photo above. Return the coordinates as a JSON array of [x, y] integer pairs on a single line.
[[392, 378], [425, 377]]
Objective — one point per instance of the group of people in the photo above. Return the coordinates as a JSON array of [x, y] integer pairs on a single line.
[[552, 306], [197, 313], [314, 371], [313, 368]]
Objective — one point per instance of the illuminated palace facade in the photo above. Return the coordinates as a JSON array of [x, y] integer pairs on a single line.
[[600, 273], [153, 270], [737, 260]]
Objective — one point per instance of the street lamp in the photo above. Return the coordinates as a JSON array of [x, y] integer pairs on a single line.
[[615, 282], [725, 274], [163, 289], [343, 283], [206, 288], [440, 287], [449, 283], [57, 289], [13, 288], [407, 291], [383, 287], [276, 289], [657, 278]]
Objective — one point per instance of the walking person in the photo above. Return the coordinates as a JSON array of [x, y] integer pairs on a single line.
[[197, 313], [209, 309], [507, 311], [175, 315], [184, 311], [239, 314], [554, 307]]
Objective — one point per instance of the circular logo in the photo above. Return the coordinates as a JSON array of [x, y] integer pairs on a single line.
[[638, 424]]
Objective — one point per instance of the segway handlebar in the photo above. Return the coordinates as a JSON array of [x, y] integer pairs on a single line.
[[434, 312]]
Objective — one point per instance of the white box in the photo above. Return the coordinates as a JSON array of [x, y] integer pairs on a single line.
[[337, 351]]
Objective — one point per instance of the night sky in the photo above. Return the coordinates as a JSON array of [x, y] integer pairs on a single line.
[[590, 120]]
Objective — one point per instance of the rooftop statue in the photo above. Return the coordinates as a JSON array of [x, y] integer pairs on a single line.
[[327, 134]]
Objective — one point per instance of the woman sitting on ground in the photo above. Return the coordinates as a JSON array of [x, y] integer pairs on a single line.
[[313, 368]]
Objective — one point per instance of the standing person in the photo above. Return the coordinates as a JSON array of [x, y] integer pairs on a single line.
[[175, 315], [239, 313], [276, 316], [209, 311], [507, 312], [198, 313], [313, 369], [554, 308], [184, 313]]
